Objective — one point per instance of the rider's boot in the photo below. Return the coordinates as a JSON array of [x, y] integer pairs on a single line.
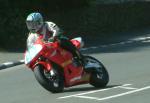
[[78, 59]]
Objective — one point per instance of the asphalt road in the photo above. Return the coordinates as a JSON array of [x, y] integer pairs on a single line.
[[127, 64]]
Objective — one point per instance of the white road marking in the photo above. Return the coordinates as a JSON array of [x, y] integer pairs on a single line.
[[129, 42], [87, 97], [94, 91], [22, 61], [128, 87], [8, 63], [112, 44], [141, 38], [122, 43], [147, 41], [114, 96]]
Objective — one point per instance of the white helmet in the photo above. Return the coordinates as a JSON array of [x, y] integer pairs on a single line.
[[34, 22]]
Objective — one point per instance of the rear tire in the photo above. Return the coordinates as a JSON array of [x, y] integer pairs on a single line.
[[99, 76], [54, 84]]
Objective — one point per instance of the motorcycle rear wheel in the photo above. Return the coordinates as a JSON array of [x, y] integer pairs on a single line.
[[99, 76], [53, 83]]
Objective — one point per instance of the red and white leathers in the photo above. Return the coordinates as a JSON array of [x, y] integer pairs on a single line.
[[51, 30], [48, 30]]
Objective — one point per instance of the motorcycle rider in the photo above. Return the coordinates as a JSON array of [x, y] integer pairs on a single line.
[[51, 32]]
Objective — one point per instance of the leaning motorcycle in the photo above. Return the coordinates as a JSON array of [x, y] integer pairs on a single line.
[[54, 68]]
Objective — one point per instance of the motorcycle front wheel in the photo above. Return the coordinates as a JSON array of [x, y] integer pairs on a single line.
[[51, 80]]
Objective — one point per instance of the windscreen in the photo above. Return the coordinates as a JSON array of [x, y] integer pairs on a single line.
[[31, 52]]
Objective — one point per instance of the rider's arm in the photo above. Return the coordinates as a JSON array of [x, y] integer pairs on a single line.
[[31, 39], [54, 28], [57, 32]]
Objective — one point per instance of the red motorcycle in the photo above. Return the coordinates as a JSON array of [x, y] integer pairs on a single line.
[[54, 68]]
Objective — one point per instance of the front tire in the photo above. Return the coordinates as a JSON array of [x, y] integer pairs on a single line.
[[53, 83], [99, 76]]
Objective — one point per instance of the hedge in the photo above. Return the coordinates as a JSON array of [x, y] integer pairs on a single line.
[[74, 17]]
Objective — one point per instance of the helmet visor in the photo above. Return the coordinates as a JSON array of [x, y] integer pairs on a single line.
[[32, 26]]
